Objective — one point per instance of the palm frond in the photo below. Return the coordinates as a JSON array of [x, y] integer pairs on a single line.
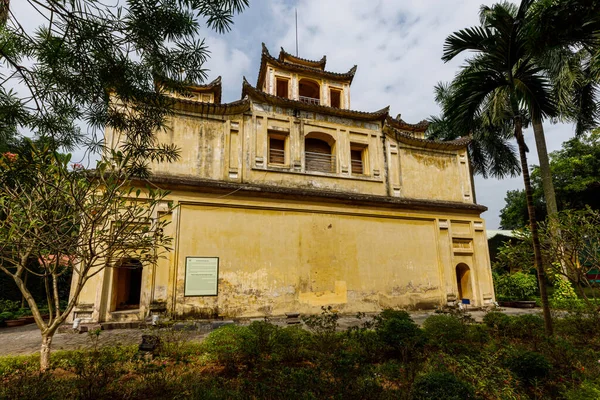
[[469, 39]]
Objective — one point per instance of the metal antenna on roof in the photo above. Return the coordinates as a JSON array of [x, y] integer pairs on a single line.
[[296, 32]]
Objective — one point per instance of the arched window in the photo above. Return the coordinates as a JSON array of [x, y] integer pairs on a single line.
[[463, 280], [318, 154], [127, 284], [310, 91]]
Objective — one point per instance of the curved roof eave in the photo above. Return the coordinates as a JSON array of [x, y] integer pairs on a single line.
[[215, 86], [267, 57], [235, 107], [406, 138], [314, 63], [250, 91]]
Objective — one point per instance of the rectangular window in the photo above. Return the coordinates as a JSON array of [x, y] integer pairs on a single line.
[[282, 88], [276, 150], [357, 159], [335, 97]]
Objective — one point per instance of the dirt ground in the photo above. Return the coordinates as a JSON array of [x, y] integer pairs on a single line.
[[26, 339]]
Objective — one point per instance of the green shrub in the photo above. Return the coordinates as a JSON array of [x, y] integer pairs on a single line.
[[588, 390], [566, 304], [478, 334], [325, 339], [226, 345], [290, 344], [528, 327], [26, 384], [367, 343], [441, 385], [484, 371], [563, 289], [403, 337], [581, 325], [324, 324], [9, 305], [445, 331], [95, 370], [517, 286], [528, 365], [260, 341], [23, 312], [496, 321], [390, 313], [6, 315]]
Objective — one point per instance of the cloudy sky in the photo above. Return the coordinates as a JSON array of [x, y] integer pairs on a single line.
[[397, 45]]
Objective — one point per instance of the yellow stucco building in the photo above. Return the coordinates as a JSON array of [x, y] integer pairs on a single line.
[[288, 200]]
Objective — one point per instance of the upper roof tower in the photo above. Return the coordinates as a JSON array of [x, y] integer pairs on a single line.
[[296, 78]]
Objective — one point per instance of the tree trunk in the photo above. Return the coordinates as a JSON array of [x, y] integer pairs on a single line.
[[4, 7], [547, 185], [45, 351], [534, 229]]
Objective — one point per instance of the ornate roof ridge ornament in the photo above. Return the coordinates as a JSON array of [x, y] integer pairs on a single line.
[[399, 123]]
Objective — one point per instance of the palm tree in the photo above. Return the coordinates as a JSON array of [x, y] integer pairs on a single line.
[[564, 36], [490, 151], [503, 81]]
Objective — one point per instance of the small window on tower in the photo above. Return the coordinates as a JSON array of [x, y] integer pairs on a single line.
[[357, 159], [276, 149], [282, 88], [336, 98]]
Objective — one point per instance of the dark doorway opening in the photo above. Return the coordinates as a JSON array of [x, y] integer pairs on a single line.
[[128, 284], [463, 280]]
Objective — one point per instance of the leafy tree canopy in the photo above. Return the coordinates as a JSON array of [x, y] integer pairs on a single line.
[[95, 65], [576, 173]]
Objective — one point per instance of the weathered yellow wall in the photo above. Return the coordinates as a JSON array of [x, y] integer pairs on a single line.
[[289, 256], [235, 149], [432, 174], [280, 261], [282, 255]]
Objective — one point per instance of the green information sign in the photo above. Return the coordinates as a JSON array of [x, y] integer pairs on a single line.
[[201, 276]]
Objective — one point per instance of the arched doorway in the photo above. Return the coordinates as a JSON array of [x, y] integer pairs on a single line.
[[463, 280], [127, 284]]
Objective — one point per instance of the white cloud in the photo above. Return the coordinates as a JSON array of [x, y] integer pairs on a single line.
[[228, 61]]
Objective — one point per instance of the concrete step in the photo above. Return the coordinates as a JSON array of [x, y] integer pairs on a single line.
[[121, 325]]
